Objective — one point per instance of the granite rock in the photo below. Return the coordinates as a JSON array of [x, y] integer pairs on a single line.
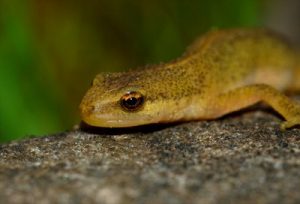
[[241, 158]]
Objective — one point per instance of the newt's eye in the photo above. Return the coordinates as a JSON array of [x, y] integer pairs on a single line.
[[132, 101]]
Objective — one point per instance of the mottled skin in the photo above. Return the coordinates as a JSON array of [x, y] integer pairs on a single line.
[[223, 71]]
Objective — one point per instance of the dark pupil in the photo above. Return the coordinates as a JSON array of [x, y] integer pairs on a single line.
[[131, 102]]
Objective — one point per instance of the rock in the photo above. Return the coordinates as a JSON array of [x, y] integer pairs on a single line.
[[242, 158]]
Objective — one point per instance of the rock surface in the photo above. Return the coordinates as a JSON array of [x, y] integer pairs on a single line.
[[242, 158]]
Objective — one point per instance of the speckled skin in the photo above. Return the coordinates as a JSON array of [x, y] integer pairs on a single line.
[[221, 72]]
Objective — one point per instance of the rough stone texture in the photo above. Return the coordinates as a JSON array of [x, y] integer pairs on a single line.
[[242, 158]]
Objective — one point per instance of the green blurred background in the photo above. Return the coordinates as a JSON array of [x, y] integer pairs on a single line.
[[51, 50]]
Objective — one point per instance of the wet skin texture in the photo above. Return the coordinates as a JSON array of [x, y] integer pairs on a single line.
[[221, 72]]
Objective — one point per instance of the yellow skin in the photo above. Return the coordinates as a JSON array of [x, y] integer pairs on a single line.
[[222, 72]]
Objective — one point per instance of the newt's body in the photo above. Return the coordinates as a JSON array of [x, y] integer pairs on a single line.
[[221, 72]]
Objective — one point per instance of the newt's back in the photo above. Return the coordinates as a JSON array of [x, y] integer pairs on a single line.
[[246, 56]]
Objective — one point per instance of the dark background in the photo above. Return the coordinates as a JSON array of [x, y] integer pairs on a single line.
[[51, 50]]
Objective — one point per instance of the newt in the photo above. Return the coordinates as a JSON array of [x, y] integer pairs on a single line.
[[221, 72]]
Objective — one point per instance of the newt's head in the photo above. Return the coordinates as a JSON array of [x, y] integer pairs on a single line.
[[125, 100]]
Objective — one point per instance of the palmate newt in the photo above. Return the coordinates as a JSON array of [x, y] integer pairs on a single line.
[[221, 72]]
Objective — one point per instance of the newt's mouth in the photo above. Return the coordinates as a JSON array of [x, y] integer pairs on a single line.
[[108, 121], [91, 116]]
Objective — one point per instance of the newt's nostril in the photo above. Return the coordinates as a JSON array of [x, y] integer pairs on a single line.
[[91, 108], [87, 109]]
